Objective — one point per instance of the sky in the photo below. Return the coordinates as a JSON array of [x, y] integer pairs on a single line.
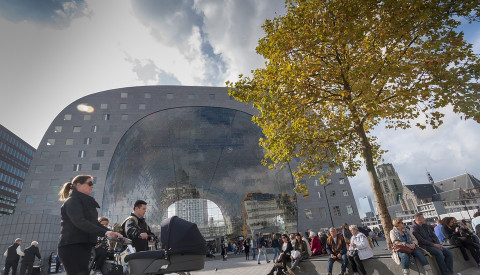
[[53, 52]]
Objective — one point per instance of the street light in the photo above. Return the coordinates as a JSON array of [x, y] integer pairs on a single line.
[[328, 204]]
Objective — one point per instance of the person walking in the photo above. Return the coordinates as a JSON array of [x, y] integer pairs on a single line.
[[136, 227], [27, 261], [262, 248], [275, 246], [246, 247], [12, 255], [253, 246], [79, 225]]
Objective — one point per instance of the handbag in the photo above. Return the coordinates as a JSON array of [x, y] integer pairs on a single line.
[[402, 248], [295, 254]]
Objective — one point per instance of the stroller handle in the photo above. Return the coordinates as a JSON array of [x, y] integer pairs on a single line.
[[120, 240]]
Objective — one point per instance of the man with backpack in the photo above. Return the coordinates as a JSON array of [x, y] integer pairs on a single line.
[[136, 228]]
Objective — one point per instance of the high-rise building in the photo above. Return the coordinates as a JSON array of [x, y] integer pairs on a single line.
[[366, 206], [391, 184], [15, 158]]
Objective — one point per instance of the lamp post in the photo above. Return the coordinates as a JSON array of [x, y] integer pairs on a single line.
[[328, 204]]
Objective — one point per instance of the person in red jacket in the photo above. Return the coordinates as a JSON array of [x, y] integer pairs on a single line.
[[315, 246]]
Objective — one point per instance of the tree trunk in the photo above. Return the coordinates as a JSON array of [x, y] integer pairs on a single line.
[[385, 218]]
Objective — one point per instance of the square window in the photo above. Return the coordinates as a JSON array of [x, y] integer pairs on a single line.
[[58, 129], [345, 193], [95, 166], [29, 199], [106, 117], [63, 154], [67, 117], [34, 184], [317, 183], [69, 141], [349, 210], [87, 140], [94, 129], [308, 214], [82, 153], [123, 95], [87, 117], [58, 167], [332, 193], [77, 167], [148, 95], [341, 181], [124, 117], [338, 170], [76, 129], [336, 211], [123, 106], [104, 106], [191, 96], [39, 169], [44, 155], [211, 96], [169, 96], [105, 140], [50, 141], [141, 106], [100, 153]]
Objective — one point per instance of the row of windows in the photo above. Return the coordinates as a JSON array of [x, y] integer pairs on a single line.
[[6, 210], [64, 154], [12, 169], [10, 180], [59, 167], [332, 193], [169, 96], [322, 212], [16, 154], [8, 189], [76, 129], [7, 200], [340, 181], [70, 141], [16, 143]]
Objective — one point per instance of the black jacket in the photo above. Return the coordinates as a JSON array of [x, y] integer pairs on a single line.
[[79, 220], [420, 235], [133, 232], [30, 253], [12, 255], [288, 249]]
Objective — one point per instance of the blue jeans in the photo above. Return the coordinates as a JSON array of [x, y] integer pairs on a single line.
[[331, 261], [405, 258], [443, 257], [264, 251], [253, 250], [276, 253]]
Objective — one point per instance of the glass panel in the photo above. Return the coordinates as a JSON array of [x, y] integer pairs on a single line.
[[203, 153]]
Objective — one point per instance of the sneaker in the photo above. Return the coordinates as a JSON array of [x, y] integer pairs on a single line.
[[258, 262], [268, 262]]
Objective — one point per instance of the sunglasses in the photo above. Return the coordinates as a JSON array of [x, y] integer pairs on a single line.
[[90, 183]]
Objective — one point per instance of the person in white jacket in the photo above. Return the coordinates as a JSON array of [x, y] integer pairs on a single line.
[[358, 250]]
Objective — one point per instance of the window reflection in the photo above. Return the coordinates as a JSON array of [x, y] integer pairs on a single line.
[[200, 153]]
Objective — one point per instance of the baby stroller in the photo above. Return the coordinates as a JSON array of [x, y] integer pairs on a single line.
[[184, 250]]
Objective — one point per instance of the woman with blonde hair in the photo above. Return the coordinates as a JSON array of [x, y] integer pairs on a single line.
[[79, 225], [400, 236]]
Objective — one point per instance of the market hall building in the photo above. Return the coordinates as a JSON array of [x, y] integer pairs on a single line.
[[187, 151]]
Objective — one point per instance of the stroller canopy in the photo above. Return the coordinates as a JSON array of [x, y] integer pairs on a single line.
[[181, 236]]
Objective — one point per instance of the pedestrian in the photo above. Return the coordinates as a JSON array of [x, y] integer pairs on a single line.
[[13, 254], [246, 246], [79, 225], [253, 246], [224, 252], [262, 248], [136, 227], [29, 258], [51, 260], [275, 246]]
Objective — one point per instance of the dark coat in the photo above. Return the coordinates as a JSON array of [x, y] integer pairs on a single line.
[[133, 232], [420, 235], [12, 255], [288, 249], [30, 253], [79, 220]]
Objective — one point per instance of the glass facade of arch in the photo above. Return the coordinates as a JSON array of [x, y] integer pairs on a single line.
[[181, 154]]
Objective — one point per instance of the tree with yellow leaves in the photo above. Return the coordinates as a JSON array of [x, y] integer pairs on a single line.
[[335, 69]]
